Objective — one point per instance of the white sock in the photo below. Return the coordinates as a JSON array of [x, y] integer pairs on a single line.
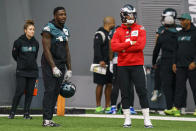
[[145, 112], [126, 113]]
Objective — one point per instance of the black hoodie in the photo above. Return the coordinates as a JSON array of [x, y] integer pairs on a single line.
[[25, 53], [186, 50], [101, 46]]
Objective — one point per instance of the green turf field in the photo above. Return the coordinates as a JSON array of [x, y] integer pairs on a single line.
[[91, 124]]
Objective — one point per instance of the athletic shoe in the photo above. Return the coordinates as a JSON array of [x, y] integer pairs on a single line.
[[148, 126], [177, 113], [132, 111], [50, 123], [11, 115], [27, 116], [99, 109], [174, 111], [127, 126], [169, 112], [155, 95], [147, 123], [194, 113], [161, 113], [120, 111], [182, 110], [107, 110], [113, 110]]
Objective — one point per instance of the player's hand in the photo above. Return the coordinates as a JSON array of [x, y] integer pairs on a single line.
[[56, 72], [102, 64], [67, 75], [174, 68], [130, 41]]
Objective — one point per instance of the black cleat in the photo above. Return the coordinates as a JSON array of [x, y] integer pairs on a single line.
[[11, 115], [50, 123], [27, 116]]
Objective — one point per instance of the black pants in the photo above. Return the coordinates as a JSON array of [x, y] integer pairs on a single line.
[[182, 74], [116, 88], [157, 78], [26, 84], [52, 89], [137, 76], [168, 84]]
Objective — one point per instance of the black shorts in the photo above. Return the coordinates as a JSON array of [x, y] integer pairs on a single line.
[[102, 79]]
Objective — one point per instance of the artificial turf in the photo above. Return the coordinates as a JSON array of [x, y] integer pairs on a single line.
[[91, 124]]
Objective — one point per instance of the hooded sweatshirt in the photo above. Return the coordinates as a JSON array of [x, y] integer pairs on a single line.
[[186, 49], [25, 53], [129, 54]]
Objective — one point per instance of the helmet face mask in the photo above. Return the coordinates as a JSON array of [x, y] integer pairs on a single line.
[[128, 14], [67, 89]]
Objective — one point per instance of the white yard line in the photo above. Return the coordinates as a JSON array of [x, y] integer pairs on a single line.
[[121, 116]]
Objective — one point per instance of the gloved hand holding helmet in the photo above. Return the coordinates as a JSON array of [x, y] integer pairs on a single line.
[[67, 75]]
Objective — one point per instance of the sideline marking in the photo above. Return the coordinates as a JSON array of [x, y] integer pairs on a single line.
[[135, 117], [120, 116]]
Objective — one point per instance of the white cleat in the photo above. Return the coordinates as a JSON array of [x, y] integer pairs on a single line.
[[127, 123], [147, 123], [154, 95], [183, 112]]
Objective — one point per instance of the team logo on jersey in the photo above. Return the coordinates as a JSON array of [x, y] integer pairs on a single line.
[[47, 28], [178, 28], [28, 49], [184, 38], [134, 33], [60, 38], [162, 31], [65, 32]]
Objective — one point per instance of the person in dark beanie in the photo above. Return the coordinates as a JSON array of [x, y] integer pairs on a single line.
[[24, 52]]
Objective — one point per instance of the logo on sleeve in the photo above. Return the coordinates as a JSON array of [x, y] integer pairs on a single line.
[[47, 28], [65, 32], [134, 33]]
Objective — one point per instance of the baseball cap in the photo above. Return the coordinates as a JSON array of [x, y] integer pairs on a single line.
[[185, 16]]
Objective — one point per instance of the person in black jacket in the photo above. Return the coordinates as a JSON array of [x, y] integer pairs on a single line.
[[25, 51], [101, 56], [185, 62], [167, 42]]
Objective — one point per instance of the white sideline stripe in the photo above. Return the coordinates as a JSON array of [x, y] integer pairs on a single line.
[[120, 116], [134, 117]]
